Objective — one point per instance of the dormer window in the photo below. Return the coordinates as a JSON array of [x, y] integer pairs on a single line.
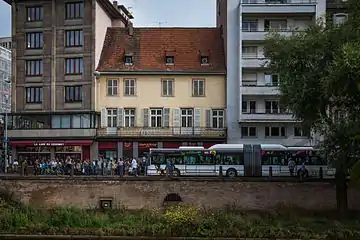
[[204, 60], [169, 60], [129, 60], [340, 18]]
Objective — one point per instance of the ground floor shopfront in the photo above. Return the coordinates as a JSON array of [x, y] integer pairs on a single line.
[[51, 149], [136, 149]]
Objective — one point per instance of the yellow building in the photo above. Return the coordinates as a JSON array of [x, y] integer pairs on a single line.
[[160, 87]]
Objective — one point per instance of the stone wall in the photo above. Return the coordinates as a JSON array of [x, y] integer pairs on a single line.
[[151, 194]]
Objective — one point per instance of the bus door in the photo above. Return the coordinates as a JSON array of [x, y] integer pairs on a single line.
[[256, 161], [248, 153]]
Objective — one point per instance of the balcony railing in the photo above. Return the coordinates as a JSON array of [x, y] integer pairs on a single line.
[[295, 2], [196, 132], [267, 115], [260, 90]]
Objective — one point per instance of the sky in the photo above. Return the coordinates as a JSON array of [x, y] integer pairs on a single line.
[[149, 13]]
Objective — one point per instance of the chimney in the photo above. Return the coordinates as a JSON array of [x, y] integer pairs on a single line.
[[115, 4], [130, 28]]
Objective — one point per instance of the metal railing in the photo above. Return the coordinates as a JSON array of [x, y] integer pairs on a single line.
[[293, 2], [162, 132], [268, 111]]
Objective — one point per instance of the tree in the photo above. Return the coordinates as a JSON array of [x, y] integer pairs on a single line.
[[319, 71]]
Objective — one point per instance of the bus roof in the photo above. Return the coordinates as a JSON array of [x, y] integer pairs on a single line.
[[227, 147], [272, 147], [300, 148], [191, 148]]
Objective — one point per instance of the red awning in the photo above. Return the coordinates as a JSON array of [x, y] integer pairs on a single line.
[[52, 143], [107, 146]]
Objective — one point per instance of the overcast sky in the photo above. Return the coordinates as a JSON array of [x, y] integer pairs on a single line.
[[150, 13]]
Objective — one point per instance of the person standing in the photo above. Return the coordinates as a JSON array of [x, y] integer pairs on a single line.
[[134, 166], [291, 165]]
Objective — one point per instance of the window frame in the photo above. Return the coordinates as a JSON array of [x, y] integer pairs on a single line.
[[269, 130], [272, 109], [171, 60], [204, 60], [189, 118], [112, 117], [249, 56], [219, 118], [37, 38], [197, 89], [32, 11], [248, 109], [130, 62], [169, 90], [249, 27], [71, 11], [128, 87], [303, 133], [111, 89], [74, 38], [129, 117], [73, 94], [33, 65], [336, 15], [248, 131], [74, 63], [38, 95], [157, 114]]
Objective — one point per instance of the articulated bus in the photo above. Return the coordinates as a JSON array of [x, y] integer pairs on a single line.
[[238, 160]]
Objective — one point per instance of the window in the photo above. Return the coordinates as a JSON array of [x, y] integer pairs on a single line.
[[198, 88], [73, 94], [249, 106], [112, 87], [249, 79], [74, 38], [271, 80], [156, 117], [301, 132], [340, 18], [112, 117], [272, 106], [33, 67], [250, 25], [81, 121], [169, 60], [204, 60], [249, 52], [34, 95], [218, 118], [280, 25], [74, 10], [34, 14], [34, 40], [274, 131], [129, 60], [167, 87], [129, 88], [61, 121], [129, 115], [73, 66], [187, 117], [248, 131]]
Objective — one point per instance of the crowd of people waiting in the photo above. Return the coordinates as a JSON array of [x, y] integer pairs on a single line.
[[70, 166]]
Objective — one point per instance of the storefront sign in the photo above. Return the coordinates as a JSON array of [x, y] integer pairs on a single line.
[[51, 144], [147, 145]]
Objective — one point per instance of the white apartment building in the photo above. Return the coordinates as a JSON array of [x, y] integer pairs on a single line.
[[254, 113], [5, 80]]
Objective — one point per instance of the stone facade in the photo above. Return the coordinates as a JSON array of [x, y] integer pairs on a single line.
[[138, 194]]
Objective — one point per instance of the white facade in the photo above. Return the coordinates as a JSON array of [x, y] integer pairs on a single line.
[[254, 113], [5, 80]]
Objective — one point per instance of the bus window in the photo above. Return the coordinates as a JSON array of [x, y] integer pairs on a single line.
[[206, 159], [190, 159], [232, 159], [273, 158]]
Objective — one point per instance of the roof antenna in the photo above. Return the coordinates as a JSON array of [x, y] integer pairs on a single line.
[[161, 23]]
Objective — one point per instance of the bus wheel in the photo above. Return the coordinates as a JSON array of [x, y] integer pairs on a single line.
[[231, 173], [176, 172]]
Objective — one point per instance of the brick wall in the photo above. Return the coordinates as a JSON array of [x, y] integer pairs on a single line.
[[150, 194]]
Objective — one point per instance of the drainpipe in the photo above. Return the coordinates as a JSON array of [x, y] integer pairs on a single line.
[[96, 76]]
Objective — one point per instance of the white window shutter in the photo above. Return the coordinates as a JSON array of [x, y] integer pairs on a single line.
[[146, 117], [166, 117], [104, 118], [120, 117], [197, 120], [208, 118], [176, 120]]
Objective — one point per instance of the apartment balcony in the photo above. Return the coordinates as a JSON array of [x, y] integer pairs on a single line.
[[170, 132], [262, 115], [261, 90], [261, 35], [279, 6], [254, 62]]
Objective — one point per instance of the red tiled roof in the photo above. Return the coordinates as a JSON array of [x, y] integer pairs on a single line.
[[150, 46]]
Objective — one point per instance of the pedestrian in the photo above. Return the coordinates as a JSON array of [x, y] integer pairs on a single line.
[[134, 166], [291, 165]]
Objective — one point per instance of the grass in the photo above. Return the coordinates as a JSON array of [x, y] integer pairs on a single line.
[[182, 221]]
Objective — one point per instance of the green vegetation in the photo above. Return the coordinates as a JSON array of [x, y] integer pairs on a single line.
[[177, 221], [319, 72]]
